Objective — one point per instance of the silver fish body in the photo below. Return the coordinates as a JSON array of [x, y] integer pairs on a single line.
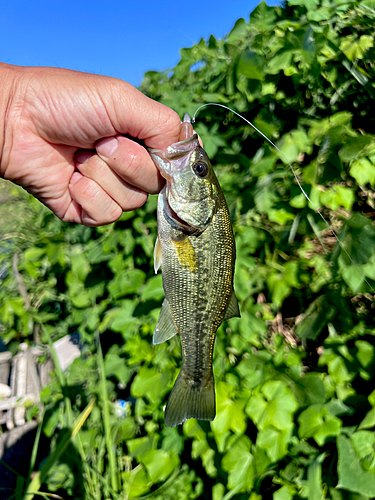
[[196, 251]]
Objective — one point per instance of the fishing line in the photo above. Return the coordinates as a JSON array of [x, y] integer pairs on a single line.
[[295, 176]]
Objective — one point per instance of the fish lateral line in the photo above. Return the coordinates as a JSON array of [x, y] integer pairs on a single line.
[[342, 246]]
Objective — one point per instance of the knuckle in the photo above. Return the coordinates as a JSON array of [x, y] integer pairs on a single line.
[[115, 213], [133, 164], [134, 200], [94, 167], [88, 188], [99, 167]]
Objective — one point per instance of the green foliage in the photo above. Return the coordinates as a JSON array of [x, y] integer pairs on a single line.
[[295, 407]]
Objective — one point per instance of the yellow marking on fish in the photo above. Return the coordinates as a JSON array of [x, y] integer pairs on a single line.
[[186, 255]]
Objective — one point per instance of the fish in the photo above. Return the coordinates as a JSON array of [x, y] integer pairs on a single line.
[[195, 249]]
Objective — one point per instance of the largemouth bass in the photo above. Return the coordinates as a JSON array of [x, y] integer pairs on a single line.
[[196, 251]]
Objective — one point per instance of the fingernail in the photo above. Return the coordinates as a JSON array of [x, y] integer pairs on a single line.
[[75, 177], [106, 147], [83, 156]]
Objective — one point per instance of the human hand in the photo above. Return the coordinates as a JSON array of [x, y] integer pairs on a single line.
[[67, 139]]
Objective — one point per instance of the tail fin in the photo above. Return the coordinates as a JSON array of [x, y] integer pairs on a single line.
[[190, 401]]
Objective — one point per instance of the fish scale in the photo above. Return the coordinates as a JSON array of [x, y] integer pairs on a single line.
[[196, 251]]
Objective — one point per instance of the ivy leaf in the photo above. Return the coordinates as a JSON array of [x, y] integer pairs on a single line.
[[238, 462], [150, 383], [354, 147], [369, 421], [126, 283], [352, 476], [338, 196], [355, 48], [274, 442], [116, 366], [263, 17], [365, 353], [309, 4], [364, 445], [153, 288], [274, 407], [318, 423], [238, 31], [251, 65], [363, 171], [159, 464], [139, 482]]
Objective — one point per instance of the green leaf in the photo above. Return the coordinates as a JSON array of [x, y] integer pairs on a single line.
[[238, 31], [126, 283], [352, 275], [280, 284], [280, 216], [159, 464], [364, 445], [318, 15], [140, 446], [153, 289], [369, 421], [274, 443], [313, 391], [172, 441], [338, 196], [274, 407], [318, 314], [116, 366], [365, 353], [229, 413], [314, 478], [355, 48], [280, 61], [238, 462], [263, 17], [363, 171], [351, 474], [34, 254], [309, 4], [318, 423], [150, 383], [80, 265], [251, 65], [354, 147], [284, 493], [139, 483]]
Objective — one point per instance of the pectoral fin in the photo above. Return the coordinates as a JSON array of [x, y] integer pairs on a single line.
[[232, 309], [165, 328], [157, 255]]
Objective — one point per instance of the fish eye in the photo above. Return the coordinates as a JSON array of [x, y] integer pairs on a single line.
[[200, 169]]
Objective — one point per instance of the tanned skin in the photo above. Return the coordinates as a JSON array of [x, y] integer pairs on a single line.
[[66, 137]]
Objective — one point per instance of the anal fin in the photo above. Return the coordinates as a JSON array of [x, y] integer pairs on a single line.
[[165, 328], [233, 310]]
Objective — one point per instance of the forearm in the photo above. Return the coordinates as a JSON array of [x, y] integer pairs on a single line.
[[8, 76]]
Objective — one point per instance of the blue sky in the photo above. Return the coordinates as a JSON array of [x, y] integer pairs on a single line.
[[116, 38]]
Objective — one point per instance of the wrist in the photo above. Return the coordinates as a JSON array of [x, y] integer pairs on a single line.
[[8, 75]]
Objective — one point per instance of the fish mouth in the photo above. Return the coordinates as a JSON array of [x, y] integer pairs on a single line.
[[175, 219]]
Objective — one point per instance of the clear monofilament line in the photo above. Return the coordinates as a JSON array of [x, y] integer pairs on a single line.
[[295, 176]]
